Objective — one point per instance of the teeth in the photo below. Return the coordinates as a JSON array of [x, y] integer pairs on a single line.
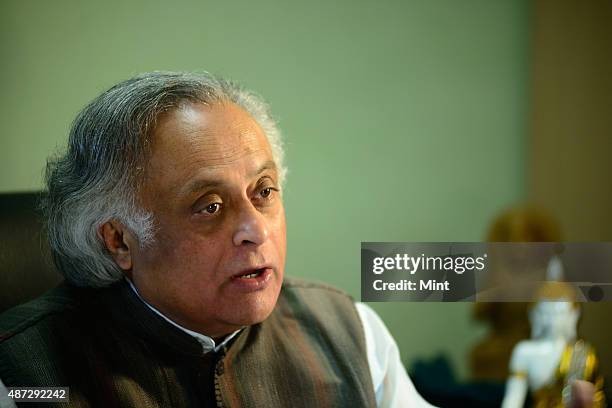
[[251, 275]]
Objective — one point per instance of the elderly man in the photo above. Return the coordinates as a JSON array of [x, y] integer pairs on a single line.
[[165, 216]]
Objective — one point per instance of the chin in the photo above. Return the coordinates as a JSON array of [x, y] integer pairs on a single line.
[[252, 311]]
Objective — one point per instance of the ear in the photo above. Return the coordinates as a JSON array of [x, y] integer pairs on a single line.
[[117, 240]]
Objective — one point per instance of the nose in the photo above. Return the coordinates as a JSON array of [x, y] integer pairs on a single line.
[[251, 227]]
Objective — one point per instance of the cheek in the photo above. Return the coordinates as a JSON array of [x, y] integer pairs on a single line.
[[197, 255], [182, 255], [280, 234]]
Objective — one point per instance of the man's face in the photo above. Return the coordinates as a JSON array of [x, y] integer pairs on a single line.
[[219, 252]]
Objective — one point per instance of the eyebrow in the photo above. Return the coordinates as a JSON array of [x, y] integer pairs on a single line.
[[269, 165], [203, 184]]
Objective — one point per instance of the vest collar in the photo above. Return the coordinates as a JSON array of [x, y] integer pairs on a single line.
[[127, 309], [207, 343]]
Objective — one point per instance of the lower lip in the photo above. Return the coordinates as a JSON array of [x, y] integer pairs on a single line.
[[259, 282]]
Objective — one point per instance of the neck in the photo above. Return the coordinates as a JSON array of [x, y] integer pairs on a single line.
[[213, 341]]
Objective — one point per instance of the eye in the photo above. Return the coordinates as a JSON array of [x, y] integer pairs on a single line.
[[212, 208], [208, 206], [266, 192], [265, 196]]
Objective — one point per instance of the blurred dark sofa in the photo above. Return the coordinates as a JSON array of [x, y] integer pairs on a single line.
[[26, 268]]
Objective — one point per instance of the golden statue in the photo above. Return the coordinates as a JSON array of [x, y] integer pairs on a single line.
[[552, 359]]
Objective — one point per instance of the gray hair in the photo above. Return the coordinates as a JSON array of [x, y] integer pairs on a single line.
[[97, 178]]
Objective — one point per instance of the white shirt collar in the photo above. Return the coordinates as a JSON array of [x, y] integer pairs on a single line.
[[208, 344]]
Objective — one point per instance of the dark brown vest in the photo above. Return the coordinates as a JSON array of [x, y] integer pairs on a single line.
[[111, 350]]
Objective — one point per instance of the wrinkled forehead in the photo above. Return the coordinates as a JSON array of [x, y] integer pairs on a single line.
[[220, 131], [197, 140]]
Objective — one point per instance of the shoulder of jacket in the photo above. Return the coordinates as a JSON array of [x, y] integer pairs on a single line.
[[296, 284], [56, 301]]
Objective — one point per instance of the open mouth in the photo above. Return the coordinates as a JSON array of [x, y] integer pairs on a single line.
[[252, 280], [251, 274]]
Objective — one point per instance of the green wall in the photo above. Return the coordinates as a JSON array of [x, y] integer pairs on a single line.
[[404, 120]]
